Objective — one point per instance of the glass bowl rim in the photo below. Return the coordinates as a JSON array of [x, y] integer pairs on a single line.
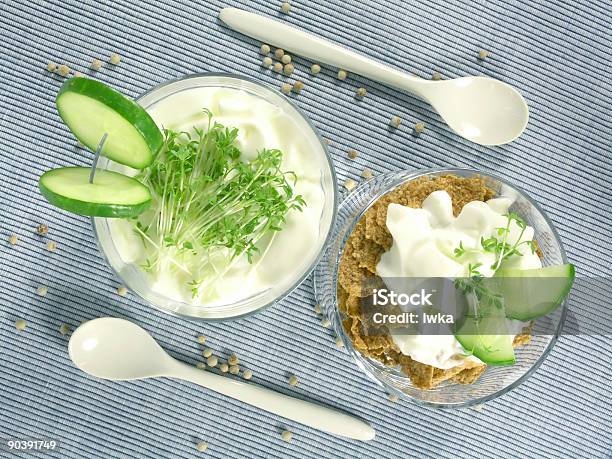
[[334, 189], [359, 359]]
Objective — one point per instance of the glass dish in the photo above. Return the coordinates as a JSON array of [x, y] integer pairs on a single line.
[[136, 280], [495, 381]]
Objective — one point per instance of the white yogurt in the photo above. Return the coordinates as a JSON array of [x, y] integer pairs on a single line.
[[285, 254], [423, 243]]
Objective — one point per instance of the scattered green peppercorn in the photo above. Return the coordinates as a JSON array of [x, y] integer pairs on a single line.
[[63, 70], [298, 86], [286, 88], [96, 64], [288, 69]]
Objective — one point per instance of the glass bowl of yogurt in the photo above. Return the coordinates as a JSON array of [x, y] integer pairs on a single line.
[[265, 119], [423, 240]]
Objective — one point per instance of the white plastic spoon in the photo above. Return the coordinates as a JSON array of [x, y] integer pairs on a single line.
[[117, 349], [481, 109]]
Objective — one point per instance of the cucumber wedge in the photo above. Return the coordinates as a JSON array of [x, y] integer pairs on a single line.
[[487, 338], [111, 194], [532, 293], [90, 108]]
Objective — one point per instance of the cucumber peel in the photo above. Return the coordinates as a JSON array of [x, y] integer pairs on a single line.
[[488, 339], [90, 108], [111, 194], [532, 293]]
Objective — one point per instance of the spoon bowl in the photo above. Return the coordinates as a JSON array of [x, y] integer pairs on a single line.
[[116, 349], [483, 110]]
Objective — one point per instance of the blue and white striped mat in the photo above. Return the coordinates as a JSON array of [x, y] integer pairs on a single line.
[[557, 53]]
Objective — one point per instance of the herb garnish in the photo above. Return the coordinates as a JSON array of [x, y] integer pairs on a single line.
[[212, 205], [500, 247], [487, 302]]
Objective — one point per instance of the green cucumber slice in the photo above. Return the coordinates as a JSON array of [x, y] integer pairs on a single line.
[[487, 338], [111, 194], [532, 293], [90, 108]]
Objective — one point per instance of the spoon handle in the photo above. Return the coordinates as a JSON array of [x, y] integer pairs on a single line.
[[322, 51], [309, 413]]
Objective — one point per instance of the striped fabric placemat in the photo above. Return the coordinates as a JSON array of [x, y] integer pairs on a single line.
[[556, 53]]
